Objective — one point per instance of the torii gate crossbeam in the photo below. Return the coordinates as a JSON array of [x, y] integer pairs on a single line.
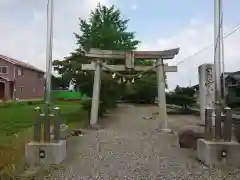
[[98, 55]]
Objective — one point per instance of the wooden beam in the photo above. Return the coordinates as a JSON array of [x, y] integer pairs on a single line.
[[106, 56], [153, 57], [114, 68], [129, 63], [166, 68], [122, 68], [166, 54], [98, 53], [91, 67]]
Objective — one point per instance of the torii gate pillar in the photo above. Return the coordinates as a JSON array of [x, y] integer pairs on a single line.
[[129, 58], [96, 93], [162, 96]]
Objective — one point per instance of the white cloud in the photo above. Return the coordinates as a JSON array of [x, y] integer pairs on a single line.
[[23, 35], [134, 7], [191, 39]]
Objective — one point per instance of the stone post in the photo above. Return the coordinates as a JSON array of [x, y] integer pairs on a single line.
[[37, 125], [96, 93], [227, 128], [208, 123], [47, 123], [206, 89], [218, 123], [56, 124], [162, 95]]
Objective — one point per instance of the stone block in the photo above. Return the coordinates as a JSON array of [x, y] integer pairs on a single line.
[[237, 131], [189, 135], [41, 153], [218, 153]]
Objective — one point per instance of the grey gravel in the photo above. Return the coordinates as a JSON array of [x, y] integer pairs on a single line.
[[130, 147]]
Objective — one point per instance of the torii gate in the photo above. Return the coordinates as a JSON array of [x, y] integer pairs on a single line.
[[130, 56]]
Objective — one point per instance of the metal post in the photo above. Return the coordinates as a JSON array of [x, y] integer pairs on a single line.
[[56, 124], [222, 58], [49, 51], [96, 93], [208, 123], [227, 128], [217, 63], [162, 95], [49, 70], [37, 126]]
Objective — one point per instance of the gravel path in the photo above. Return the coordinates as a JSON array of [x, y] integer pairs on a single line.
[[130, 147]]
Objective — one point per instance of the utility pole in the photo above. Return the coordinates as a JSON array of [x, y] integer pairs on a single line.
[[48, 70], [49, 51], [217, 65], [222, 56]]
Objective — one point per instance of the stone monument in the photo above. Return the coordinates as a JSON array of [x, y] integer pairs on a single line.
[[206, 89], [217, 147]]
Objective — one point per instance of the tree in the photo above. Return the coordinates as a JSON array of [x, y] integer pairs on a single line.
[[182, 96], [59, 83], [144, 90], [105, 30]]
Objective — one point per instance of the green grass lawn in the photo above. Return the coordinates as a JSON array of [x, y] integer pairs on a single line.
[[17, 117], [16, 121]]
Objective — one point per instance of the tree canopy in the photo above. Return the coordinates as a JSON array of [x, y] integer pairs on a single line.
[[144, 90], [182, 96], [104, 29], [59, 83]]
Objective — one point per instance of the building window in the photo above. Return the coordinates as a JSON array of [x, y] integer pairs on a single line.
[[3, 70], [20, 71], [21, 89]]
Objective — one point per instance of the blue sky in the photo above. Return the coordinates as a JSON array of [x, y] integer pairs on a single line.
[[159, 24]]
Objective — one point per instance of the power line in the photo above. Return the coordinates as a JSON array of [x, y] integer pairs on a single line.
[[237, 27], [209, 46]]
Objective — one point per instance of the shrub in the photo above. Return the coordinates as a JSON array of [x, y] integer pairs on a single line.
[[86, 103], [184, 111], [233, 102]]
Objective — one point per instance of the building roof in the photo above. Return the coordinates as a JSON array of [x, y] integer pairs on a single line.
[[234, 75], [228, 75], [19, 63]]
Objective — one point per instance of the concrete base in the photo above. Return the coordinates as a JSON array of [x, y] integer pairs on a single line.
[[164, 128], [165, 131], [211, 153], [45, 153]]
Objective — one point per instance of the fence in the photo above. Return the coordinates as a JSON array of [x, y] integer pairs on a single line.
[[223, 130]]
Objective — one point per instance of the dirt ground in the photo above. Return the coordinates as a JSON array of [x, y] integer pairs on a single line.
[[130, 146]]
